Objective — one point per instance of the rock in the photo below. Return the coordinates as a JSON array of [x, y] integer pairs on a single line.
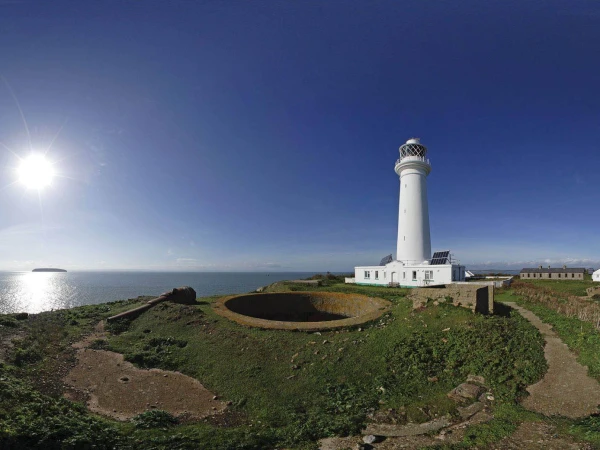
[[410, 429], [464, 392], [471, 410], [364, 446], [432, 379], [184, 295], [486, 397], [124, 379], [480, 417], [372, 439], [475, 379]]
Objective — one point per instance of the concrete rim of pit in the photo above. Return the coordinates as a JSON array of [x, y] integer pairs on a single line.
[[376, 307]]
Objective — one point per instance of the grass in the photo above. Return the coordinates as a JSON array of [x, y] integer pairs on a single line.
[[564, 287], [287, 389], [584, 340], [312, 385]]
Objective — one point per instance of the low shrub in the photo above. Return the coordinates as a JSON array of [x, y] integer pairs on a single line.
[[154, 419], [99, 344], [8, 321], [118, 326]]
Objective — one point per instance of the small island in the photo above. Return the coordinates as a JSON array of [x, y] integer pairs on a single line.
[[48, 269]]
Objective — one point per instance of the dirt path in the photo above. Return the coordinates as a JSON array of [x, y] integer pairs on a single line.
[[566, 389], [116, 388]]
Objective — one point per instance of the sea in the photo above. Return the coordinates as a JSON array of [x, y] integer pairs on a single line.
[[34, 292]]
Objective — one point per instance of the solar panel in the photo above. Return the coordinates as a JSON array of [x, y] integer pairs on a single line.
[[388, 259], [440, 258]]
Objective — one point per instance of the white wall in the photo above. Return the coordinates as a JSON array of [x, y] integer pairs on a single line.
[[414, 240], [409, 275], [372, 275], [596, 275]]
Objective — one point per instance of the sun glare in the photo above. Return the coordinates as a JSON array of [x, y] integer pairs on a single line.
[[35, 172]]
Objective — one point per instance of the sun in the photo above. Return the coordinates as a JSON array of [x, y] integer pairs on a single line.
[[35, 172]]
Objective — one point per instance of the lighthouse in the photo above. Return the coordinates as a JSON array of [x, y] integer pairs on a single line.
[[414, 240], [414, 265]]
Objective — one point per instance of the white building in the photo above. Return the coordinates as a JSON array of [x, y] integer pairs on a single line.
[[414, 265], [596, 275]]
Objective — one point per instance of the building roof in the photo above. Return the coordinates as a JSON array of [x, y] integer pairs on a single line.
[[547, 270]]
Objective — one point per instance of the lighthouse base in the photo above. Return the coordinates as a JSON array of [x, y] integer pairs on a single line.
[[398, 274]]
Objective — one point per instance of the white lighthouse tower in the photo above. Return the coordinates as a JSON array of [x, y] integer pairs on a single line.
[[414, 265], [414, 241]]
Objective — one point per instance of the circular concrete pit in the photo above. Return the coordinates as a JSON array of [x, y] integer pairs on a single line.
[[301, 310]]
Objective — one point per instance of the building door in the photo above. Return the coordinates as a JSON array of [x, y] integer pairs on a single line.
[[394, 277]]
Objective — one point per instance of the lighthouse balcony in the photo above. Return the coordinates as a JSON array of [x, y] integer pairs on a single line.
[[413, 158]]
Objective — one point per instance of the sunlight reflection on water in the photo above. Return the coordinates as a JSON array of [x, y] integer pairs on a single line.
[[34, 292], [37, 291]]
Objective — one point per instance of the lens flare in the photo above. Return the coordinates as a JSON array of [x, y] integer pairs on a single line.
[[36, 172]]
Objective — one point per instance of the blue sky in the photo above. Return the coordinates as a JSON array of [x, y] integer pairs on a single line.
[[263, 135]]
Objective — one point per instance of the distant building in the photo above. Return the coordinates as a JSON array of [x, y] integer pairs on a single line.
[[574, 273], [590, 270], [596, 275]]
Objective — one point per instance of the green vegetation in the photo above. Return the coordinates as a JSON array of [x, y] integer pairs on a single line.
[[580, 336], [287, 389], [154, 419], [29, 419], [569, 287], [583, 339]]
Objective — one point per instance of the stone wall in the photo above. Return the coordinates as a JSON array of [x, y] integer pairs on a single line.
[[477, 298]]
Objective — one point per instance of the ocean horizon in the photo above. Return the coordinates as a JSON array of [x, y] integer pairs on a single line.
[[34, 292]]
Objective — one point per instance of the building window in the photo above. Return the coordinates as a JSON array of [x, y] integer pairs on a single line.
[[559, 275], [528, 275], [377, 274], [384, 275], [367, 275], [404, 275], [414, 275], [429, 274], [572, 275]]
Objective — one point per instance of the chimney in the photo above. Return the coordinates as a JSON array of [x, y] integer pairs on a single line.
[[541, 267], [564, 266], [548, 267]]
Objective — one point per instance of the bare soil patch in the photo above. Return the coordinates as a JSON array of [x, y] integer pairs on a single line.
[[116, 388]]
